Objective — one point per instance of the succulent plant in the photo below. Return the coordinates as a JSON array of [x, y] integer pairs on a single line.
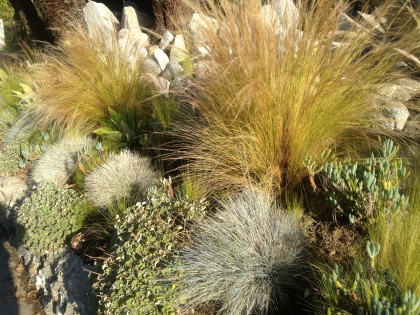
[[365, 290], [365, 187]]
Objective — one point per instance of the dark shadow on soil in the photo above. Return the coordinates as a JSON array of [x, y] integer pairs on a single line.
[[8, 300]]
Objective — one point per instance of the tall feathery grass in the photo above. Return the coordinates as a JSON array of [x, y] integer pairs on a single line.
[[84, 77], [399, 238], [274, 92]]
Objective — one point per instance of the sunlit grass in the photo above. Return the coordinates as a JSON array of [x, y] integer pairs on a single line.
[[399, 236], [268, 100], [85, 77]]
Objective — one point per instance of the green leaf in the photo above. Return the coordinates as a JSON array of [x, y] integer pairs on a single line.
[[103, 131], [115, 116]]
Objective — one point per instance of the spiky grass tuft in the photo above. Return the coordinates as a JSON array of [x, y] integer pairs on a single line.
[[58, 164], [85, 77], [274, 92], [399, 238], [245, 257], [122, 176]]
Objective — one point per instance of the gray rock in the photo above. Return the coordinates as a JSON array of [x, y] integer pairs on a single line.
[[159, 56], [11, 190], [151, 67], [2, 36], [100, 21], [163, 86], [280, 19], [410, 85], [167, 38], [394, 116], [199, 25], [159, 84], [133, 43], [179, 50], [129, 17], [62, 283], [392, 92], [133, 18], [172, 71], [287, 12]]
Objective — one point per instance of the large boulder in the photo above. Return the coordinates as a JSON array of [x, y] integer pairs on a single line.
[[287, 12], [132, 43], [179, 49], [101, 23], [133, 18]]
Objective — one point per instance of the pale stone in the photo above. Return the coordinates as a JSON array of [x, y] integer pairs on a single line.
[[172, 71], [203, 50], [199, 25], [167, 38], [164, 86], [151, 67], [395, 116], [11, 190], [133, 18], [179, 50], [133, 44], [129, 18], [287, 13], [392, 92], [410, 85], [159, 56], [101, 23]]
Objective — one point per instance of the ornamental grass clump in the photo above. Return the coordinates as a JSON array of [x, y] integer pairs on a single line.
[[245, 259], [123, 176], [58, 163], [398, 234], [277, 87], [84, 78]]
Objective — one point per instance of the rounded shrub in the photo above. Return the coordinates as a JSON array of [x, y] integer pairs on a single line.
[[49, 216], [59, 162], [141, 272], [245, 258], [121, 176]]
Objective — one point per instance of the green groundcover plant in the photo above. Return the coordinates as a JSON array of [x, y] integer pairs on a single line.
[[140, 274], [48, 217]]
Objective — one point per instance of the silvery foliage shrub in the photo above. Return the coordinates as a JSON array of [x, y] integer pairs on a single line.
[[244, 257], [59, 162], [49, 216], [121, 176], [140, 275]]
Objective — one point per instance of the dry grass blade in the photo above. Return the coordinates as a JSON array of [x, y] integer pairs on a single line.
[[274, 92], [79, 82]]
